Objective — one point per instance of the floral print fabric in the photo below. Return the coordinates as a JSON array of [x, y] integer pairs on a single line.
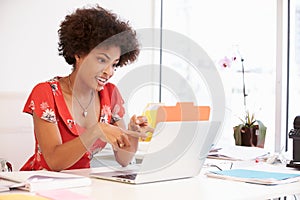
[[47, 102]]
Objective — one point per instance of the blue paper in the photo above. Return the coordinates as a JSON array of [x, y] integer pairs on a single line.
[[253, 174]]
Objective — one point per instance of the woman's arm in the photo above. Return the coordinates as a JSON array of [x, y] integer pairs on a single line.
[[59, 155]]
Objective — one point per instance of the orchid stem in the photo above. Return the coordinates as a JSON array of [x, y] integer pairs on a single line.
[[244, 87]]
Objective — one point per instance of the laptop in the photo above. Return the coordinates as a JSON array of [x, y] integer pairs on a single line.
[[177, 150]]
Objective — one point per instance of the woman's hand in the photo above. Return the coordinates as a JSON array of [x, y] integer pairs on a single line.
[[114, 135], [118, 137], [137, 128], [140, 124]]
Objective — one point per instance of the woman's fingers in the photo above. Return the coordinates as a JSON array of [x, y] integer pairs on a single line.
[[132, 125], [119, 138], [115, 136], [136, 134], [149, 129], [122, 139], [114, 144], [139, 124], [141, 121], [125, 141]]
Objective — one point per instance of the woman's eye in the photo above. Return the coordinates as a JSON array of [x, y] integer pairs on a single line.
[[101, 60]]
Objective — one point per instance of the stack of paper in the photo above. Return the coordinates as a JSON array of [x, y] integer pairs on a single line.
[[43, 180], [238, 153], [254, 176]]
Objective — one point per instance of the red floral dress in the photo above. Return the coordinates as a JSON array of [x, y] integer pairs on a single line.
[[47, 102]]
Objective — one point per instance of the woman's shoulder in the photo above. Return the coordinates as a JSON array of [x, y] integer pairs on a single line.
[[46, 87], [47, 84]]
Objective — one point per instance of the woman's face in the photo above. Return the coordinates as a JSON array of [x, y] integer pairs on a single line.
[[96, 68]]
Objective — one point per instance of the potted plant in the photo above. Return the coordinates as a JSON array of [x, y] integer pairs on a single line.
[[250, 132]]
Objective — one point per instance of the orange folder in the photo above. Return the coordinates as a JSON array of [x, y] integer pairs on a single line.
[[183, 111]]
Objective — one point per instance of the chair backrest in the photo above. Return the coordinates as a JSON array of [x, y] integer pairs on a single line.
[[5, 166], [16, 131]]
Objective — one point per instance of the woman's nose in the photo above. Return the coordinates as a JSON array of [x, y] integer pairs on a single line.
[[108, 70]]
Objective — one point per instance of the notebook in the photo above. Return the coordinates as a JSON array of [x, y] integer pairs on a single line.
[[42, 180], [255, 176], [177, 150]]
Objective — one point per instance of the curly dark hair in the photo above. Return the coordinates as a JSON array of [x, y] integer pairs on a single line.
[[87, 28]]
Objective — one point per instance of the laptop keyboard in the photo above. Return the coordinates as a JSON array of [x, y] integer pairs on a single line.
[[126, 176]]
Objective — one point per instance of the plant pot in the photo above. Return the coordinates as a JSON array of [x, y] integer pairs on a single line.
[[249, 135]]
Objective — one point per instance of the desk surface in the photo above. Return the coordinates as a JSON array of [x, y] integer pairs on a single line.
[[199, 187]]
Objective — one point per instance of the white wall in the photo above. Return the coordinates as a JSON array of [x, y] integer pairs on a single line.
[[29, 37]]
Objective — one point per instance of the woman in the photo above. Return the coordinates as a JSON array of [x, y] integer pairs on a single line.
[[76, 115]]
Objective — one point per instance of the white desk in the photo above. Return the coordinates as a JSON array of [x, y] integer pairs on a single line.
[[193, 188], [199, 187]]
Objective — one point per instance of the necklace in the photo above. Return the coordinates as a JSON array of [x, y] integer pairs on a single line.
[[85, 112]]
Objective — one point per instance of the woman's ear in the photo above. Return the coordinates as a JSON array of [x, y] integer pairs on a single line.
[[77, 58]]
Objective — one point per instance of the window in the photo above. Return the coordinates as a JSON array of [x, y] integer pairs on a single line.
[[293, 78], [221, 28]]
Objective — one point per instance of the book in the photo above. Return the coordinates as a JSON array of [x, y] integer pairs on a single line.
[[4, 188], [43, 180], [255, 176], [28, 196]]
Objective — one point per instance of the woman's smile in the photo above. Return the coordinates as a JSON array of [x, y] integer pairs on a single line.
[[101, 81]]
